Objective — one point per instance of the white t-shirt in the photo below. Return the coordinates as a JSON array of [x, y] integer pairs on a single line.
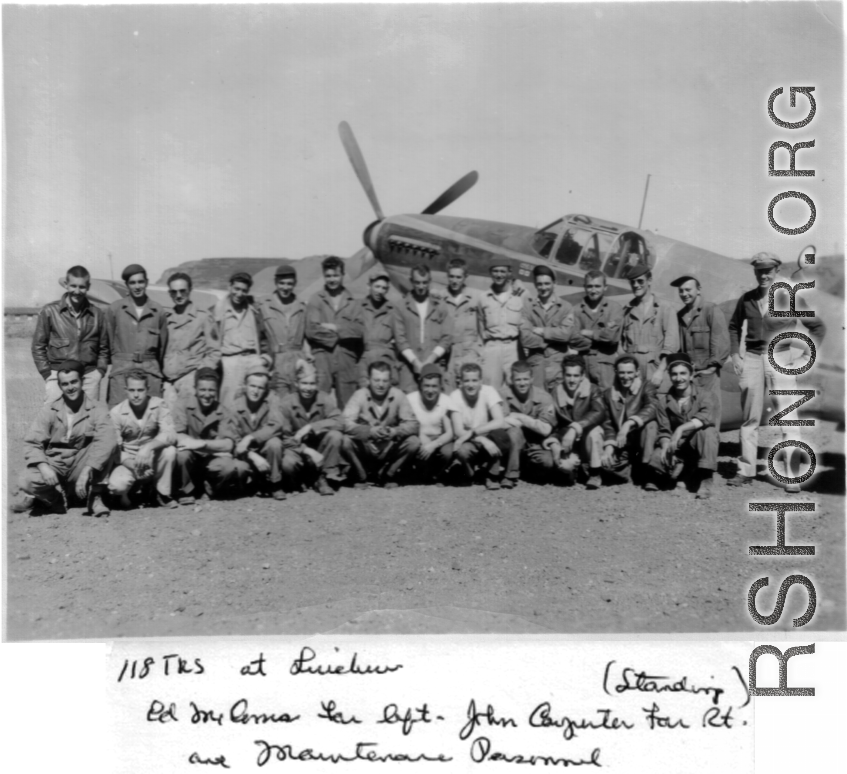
[[480, 414], [433, 423]]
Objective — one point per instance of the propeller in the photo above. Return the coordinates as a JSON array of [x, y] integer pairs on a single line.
[[459, 188], [359, 166]]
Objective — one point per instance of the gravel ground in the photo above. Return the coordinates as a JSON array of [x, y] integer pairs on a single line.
[[417, 559]]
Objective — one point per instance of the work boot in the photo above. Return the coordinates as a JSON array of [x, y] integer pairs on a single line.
[[96, 506], [278, 493], [23, 504], [492, 483], [323, 488], [594, 480], [166, 501], [186, 500], [46, 507], [509, 483], [361, 485]]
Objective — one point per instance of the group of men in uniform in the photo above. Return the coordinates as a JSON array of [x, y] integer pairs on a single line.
[[275, 395]]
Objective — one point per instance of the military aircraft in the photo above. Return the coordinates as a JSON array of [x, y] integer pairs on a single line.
[[575, 244], [571, 246]]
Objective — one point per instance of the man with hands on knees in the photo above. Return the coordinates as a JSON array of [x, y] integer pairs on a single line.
[[480, 429], [578, 433], [70, 448], [318, 445], [255, 425], [687, 436], [433, 410], [203, 455], [629, 429], [529, 420], [146, 435]]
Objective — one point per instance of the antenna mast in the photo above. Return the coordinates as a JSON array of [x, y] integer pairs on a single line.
[[644, 201]]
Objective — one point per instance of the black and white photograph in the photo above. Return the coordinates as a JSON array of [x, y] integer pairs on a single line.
[[423, 319]]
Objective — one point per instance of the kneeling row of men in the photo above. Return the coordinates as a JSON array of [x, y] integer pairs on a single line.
[[266, 445]]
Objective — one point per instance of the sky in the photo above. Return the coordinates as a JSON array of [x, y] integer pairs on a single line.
[[163, 134]]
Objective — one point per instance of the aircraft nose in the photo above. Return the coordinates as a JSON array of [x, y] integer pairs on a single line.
[[370, 235]]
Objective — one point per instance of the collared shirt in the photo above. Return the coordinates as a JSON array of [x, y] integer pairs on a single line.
[[762, 328], [538, 404], [379, 325], [137, 341], [499, 316], [323, 415], [585, 406], [189, 419], [394, 411], [239, 331], [673, 412], [704, 335], [559, 332], [188, 342], [650, 328], [284, 323], [464, 312], [133, 432], [266, 423], [343, 312], [638, 403], [50, 440], [60, 334], [433, 422], [605, 322], [423, 335]]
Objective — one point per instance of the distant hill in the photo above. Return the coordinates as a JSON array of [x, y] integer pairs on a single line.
[[829, 273], [215, 272]]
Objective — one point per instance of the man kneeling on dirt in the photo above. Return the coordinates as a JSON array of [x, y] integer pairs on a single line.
[[687, 437], [578, 434], [317, 426], [629, 430], [529, 421], [202, 454], [432, 409], [146, 435], [383, 427], [480, 428], [255, 426], [68, 450]]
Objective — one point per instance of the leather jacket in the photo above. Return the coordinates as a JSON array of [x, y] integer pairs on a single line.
[[60, 336]]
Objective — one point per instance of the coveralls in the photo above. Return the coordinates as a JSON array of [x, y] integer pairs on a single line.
[[380, 327], [188, 349], [605, 322], [650, 332], [423, 337], [284, 327], [463, 309]]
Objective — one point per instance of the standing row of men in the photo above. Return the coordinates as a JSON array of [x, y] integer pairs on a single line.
[[239, 339]]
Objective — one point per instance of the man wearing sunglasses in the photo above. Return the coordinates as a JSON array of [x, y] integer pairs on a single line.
[[188, 342], [650, 330]]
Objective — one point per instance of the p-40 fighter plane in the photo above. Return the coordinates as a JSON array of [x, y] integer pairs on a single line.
[[571, 246]]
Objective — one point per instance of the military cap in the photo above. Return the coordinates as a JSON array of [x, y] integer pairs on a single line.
[[680, 281], [500, 260], [638, 271], [257, 370], [208, 374], [765, 261], [431, 369], [71, 365], [285, 271], [379, 274], [241, 276], [680, 358], [133, 268], [541, 270]]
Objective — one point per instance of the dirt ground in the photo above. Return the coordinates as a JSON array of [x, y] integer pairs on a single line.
[[416, 559]]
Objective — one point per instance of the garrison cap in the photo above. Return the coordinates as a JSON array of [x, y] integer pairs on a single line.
[[207, 374], [71, 365], [431, 369], [680, 281], [241, 276], [379, 274], [285, 271], [500, 260], [765, 261], [680, 358], [133, 268], [541, 270], [257, 370], [638, 271]]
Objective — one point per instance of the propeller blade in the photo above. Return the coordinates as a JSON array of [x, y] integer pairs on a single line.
[[359, 167], [456, 190]]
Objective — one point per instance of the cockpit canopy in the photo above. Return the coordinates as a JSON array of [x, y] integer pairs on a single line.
[[590, 244]]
